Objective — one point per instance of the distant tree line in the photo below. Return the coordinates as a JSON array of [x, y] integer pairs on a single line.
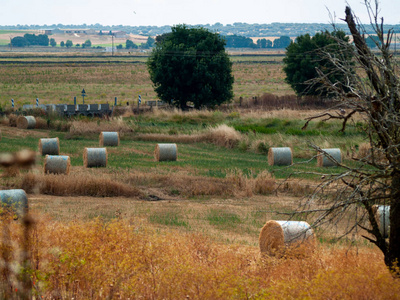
[[237, 41], [131, 45], [243, 29]]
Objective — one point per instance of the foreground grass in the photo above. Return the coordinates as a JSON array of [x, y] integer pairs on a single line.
[[129, 259]]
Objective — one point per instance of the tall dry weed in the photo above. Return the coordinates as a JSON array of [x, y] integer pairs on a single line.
[[264, 184], [224, 136]]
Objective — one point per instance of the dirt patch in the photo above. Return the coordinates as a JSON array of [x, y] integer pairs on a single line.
[[14, 133]]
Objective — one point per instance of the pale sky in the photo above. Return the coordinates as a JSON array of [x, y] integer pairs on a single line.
[[173, 12]]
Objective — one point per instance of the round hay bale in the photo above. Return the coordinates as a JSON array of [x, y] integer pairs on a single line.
[[271, 238], [282, 156], [275, 236], [95, 157], [49, 146], [382, 216], [323, 159], [166, 152], [56, 164], [108, 138], [14, 200], [7, 159], [26, 122], [25, 158]]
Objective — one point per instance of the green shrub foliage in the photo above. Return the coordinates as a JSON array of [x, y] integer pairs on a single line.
[[307, 54]]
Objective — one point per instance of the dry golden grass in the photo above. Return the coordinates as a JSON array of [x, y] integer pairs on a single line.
[[127, 259], [115, 124], [96, 186], [222, 135]]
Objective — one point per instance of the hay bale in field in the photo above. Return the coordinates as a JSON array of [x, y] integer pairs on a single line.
[[12, 120], [275, 236], [15, 200], [108, 138], [323, 159], [382, 217], [95, 157], [56, 164], [26, 122], [49, 146], [7, 159], [282, 156], [25, 158], [166, 152]]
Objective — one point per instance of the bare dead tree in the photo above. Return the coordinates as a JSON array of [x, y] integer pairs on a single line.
[[370, 89]]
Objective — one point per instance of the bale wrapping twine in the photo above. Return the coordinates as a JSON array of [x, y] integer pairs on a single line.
[[166, 152], [324, 161], [16, 200], [95, 157], [280, 156], [276, 235], [26, 122], [108, 138], [57, 164], [49, 146], [382, 216]]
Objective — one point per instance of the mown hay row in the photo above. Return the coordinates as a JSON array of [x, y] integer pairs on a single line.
[[85, 185]]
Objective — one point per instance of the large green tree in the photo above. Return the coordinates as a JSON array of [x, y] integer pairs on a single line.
[[19, 41], [68, 44], [191, 65], [306, 56]]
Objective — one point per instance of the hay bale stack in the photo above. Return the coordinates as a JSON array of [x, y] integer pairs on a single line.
[[108, 138], [323, 159], [26, 122], [95, 157], [49, 146], [15, 200], [275, 236], [57, 164], [282, 156], [382, 216], [166, 152]]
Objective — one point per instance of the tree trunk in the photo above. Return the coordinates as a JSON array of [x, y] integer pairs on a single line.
[[392, 258]]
